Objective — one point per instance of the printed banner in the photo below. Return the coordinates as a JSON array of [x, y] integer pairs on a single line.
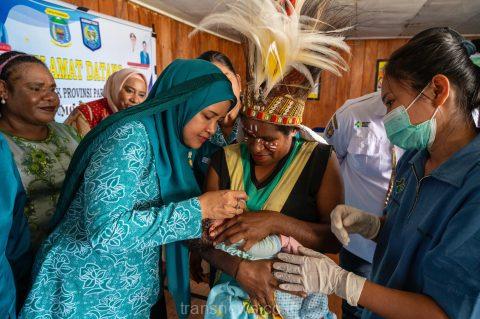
[[81, 49]]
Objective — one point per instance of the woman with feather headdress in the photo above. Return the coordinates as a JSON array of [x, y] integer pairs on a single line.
[[291, 177]]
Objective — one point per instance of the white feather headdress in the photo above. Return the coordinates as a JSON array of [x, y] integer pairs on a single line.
[[286, 45]]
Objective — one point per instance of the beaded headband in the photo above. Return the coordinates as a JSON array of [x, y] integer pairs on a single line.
[[10, 59]]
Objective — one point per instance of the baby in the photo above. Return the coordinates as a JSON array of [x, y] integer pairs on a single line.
[[228, 300]]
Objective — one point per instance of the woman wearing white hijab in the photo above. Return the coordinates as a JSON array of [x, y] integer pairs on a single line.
[[124, 88]]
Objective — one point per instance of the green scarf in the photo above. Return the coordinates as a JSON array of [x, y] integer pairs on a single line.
[[184, 88], [258, 197]]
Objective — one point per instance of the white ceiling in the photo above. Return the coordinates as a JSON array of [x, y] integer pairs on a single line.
[[371, 18]]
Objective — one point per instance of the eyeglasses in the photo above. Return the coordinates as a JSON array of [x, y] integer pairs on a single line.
[[250, 138]]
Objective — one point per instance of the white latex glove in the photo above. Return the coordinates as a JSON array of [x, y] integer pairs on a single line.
[[314, 272], [350, 220]]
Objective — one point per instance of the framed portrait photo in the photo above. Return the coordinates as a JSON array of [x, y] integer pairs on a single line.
[[379, 74]]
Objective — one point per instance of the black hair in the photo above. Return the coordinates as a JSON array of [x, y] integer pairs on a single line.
[[9, 68], [133, 35], [144, 42], [285, 130], [438, 51], [215, 56]]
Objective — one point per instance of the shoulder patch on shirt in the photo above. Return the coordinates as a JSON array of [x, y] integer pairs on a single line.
[[334, 120], [330, 130]]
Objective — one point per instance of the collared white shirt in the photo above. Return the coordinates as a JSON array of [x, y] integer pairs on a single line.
[[357, 133]]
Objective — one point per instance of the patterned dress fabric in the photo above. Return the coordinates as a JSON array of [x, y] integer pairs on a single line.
[[95, 111], [219, 140], [42, 166], [102, 260]]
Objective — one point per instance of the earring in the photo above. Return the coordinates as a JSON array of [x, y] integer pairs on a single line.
[[190, 160], [3, 100]]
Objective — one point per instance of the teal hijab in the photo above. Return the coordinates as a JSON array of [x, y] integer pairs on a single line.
[[183, 89]]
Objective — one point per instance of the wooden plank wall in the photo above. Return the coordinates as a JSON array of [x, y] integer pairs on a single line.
[[173, 42], [359, 80]]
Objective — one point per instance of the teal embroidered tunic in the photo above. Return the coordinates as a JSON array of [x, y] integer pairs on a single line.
[[14, 234], [102, 260]]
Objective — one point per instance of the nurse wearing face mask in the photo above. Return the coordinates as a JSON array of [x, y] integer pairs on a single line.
[[428, 256]]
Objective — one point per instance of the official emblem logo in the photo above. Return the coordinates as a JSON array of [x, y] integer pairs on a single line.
[[360, 124], [91, 34], [59, 30], [332, 126], [330, 130]]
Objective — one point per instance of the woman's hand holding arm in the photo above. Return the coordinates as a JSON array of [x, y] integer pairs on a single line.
[[314, 272]]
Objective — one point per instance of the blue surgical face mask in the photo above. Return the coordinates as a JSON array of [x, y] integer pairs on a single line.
[[402, 133]]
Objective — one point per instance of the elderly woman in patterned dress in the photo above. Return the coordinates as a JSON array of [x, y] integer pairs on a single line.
[[42, 149]]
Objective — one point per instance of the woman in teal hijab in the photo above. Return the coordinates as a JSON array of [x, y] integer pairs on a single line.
[[130, 189]]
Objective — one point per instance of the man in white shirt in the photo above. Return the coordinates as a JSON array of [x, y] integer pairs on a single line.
[[366, 157]]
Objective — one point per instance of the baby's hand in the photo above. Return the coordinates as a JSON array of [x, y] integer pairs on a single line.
[[289, 244], [210, 225]]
